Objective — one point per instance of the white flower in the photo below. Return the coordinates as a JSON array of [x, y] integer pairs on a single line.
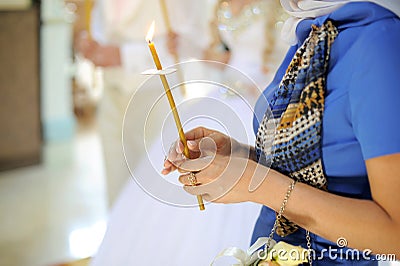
[[285, 254]]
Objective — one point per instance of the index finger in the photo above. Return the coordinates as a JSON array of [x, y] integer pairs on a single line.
[[198, 133]]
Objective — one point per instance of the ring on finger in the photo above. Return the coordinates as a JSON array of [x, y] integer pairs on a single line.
[[192, 179]]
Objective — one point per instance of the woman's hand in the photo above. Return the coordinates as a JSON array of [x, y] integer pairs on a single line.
[[221, 165], [172, 42], [222, 179], [213, 54], [100, 55], [204, 142]]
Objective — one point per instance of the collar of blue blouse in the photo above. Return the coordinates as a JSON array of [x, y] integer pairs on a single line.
[[301, 9]]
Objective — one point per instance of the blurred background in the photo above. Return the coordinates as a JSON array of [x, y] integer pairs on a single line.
[[53, 201], [67, 71]]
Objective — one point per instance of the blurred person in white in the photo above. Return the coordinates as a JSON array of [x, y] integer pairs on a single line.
[[117, 45], [245, 35]]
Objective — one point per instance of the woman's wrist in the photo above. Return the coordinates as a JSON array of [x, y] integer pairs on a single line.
[[242, 150], [271, 188]]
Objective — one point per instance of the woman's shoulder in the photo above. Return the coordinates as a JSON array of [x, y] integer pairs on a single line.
[[375, 43], [368, 34], [366, 17]]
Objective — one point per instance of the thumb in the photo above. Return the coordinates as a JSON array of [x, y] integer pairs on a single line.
[[207, 147]]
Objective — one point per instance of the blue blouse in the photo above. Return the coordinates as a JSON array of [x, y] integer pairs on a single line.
[[362, 108]]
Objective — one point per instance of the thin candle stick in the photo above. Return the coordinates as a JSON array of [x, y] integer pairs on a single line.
[[167, 23], [171, 101], [88, 17], [165, 15]]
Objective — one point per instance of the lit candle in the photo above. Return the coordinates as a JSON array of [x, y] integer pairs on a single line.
[[171, 101]]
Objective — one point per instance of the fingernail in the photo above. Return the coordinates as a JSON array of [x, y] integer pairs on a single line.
[[179, 148], [191, 143]]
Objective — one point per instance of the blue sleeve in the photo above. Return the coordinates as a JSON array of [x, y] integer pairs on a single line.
[[374, 90]]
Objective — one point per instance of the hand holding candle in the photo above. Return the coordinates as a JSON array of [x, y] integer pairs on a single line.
[[170, 100]]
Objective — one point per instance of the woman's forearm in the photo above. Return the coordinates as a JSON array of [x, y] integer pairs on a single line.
[[363, 223]]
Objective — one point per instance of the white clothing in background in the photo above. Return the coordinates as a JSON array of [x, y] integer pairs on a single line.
[[125, 23], [247, 45]]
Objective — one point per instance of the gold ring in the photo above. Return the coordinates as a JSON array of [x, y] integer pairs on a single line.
[[192, 179]]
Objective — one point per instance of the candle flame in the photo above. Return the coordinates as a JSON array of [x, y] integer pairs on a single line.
[[150, 33]]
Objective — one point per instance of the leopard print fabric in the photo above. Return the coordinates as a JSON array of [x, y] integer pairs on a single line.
[[297, 106]]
